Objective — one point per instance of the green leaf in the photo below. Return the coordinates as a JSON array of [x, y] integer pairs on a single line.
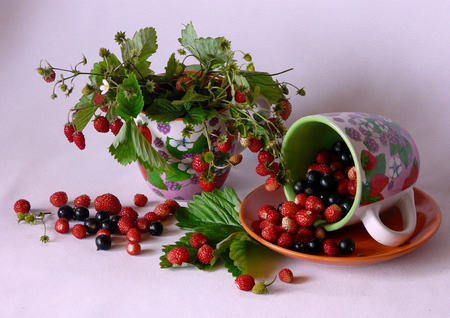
[[171, 66], [199, 145], [85, 109], [130, 98], [154, 177], [162, 110], [122, 148], [98, 68], [229, 264], [239, 252], [267, 86], [176, 174], [194, 116], [241, 82], [143, 43], [224, 246]]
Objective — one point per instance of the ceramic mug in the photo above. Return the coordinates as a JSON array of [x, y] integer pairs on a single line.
[[386, 161]]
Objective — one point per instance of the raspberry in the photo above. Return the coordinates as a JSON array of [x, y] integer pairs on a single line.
[[352, 173], [269, 233], [140, 199], [330, 247], [303, 235], [205, 254], [116, 126], [300, 200], [62, 225], [130, 212], [289, 225], [255, 144], [284, 240], [314, 204], [245, 282], [151, 217], [289, 208], [286, 275], [125, 223], [333, 213], [22, 206], [265, 157], [323, 168], [107, 202], [79, 231], [101, 124], [273, 216], [198, 164], [198, 239], [271, 184], [286, 108], [58, 199], [78, 139], [142, 224], [351, 187], [342, 187], [172, 204], [264, 210], [162, 211], [178, 255], [322, 157], [103, 232], [133, 248], [224, 143], [98, 98], [305, 217], [69, 129], [133, 235], [82, 200]]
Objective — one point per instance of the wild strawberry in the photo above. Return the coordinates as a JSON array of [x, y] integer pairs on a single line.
[[245, 282], [133, 249], [151, 217], [330, 247], [352, 173], [198, 164], [235, 159], [333, 213], [342, 187], [262, 170], [115, 126], [240, 97], [198, 239], [130, 212], [286, 275], [289, 208], [320, 233], [140, 199], [205, 254], [284, 240], [305, 217], [183, 82], [172, 204], [351, 187], [101, 124], [82, 200], [79, 231], [146, 132], [265, 157], [162, 211], [289, 225], [269, 233], [321, 167], [133, 235], [323, 156], [303, 235], [300, 200], [49, 75], [245, 142], [178, 255], [339, 175], [78, 139], [104, 109], [22, 206], [208, 182], [98, 98], [336, 166], [224, 143], [142, 224], [255, 226], [69, 130], [58, 199], [266, 223], [125, 223], [314, 204], [62, 225], [271, 184], [264, 211], [286, 108], [103, 232], [273, 216], [274, 168], [255, 144], [107, 202]]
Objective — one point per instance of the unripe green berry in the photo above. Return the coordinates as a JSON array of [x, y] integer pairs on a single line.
[[260, 288], [40, 70], [247, 57], [87, 89], [104, 52]]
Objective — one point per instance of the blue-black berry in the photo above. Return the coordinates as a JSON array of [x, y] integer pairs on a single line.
[[81, 213], [103, 242], [101, 215], [65, 212], [346, 246], [91, 225], [155, 228]]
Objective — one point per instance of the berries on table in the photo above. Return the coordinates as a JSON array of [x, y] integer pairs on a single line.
[[65, 212], [91, 225], [198, 239], [162, 211], [69, 130], [346, 246], [82, 200], [178, 255], [125, 223], [81, 213], [107, 202], [109, 224], [58, 199], [79, 231], [62, 226], [142, 224], [133, 235], [78, 139], [115, 126], [130, 212], [330, 247], [103, 232], [103, 242], [172, 204], [140, 199], [101, 215], [22, 206], [198, 164], [286, 275], [245, 282], [101, 124], [155, 228], [333, 213], [133, 249], [205, 254], [151, 216]]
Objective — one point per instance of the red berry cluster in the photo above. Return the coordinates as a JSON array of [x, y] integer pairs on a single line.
[[180, 255]]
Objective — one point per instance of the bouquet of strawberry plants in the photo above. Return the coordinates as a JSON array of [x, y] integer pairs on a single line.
[[204, 80]]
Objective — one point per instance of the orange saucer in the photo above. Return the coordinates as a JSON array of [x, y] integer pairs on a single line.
[[370, 251]]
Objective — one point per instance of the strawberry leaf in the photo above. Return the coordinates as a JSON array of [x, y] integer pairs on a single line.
[[130, 98], [85, 109], [142, 45]]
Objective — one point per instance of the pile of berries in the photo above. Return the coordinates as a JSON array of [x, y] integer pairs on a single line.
[[180, 255], [247, 282]]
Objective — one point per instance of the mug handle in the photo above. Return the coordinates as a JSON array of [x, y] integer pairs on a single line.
[[385, 235], [263, 103]]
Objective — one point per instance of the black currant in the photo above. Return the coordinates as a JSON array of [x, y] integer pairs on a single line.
[[323, 196], [310, 191], [115, 218], [91, 225], [65, 212], [315, 246], [103, 242], [101, 215], [313, 177], [299, 186], [333, 198], [81, 213], [346, 205], [340, 147], [346, 246], [346, 158], [301, 247], [155, 228], [279, 207], [328, 182], [108, 225]]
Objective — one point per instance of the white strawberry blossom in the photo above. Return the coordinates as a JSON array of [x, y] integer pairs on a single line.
[[105, 87]]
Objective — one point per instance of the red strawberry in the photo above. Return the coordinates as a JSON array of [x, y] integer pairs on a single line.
[[323, 157], [198, 239], [130, 212], [368, 161], [289, 225], [321, 167], [352, 173], [172, 204], [284, 240], [265, 157], [333, 213], [289, 208], [146, 132], [101, 124], [178, 255], [304, 235], [265, 224], [151, 217], [208, 182], [255, 227], [240, 97], [271, 184], [107, 202], [142, 224], [22, 206], [104, 109], [336, 166], [351, 187], [255, 144], [133, 235], [79, 231], [264, 211], [378, 183], [115, 126], [58, 199], [82, 200], [300, 200], [245, 282], [286, 275], [224, 143], [103, 232], [274, 168], [183, 82], [69, 130], [269, 233], [162, 211], [98, 98], [342, 187], [198, 164], [140, 199], [62, 226], [330, 247], [305, 217], [273, 216], [78, 139], [262, 170], [205, 254], [133, 248], [125, 223], [49, 75], [314, 204], [286, 108]]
